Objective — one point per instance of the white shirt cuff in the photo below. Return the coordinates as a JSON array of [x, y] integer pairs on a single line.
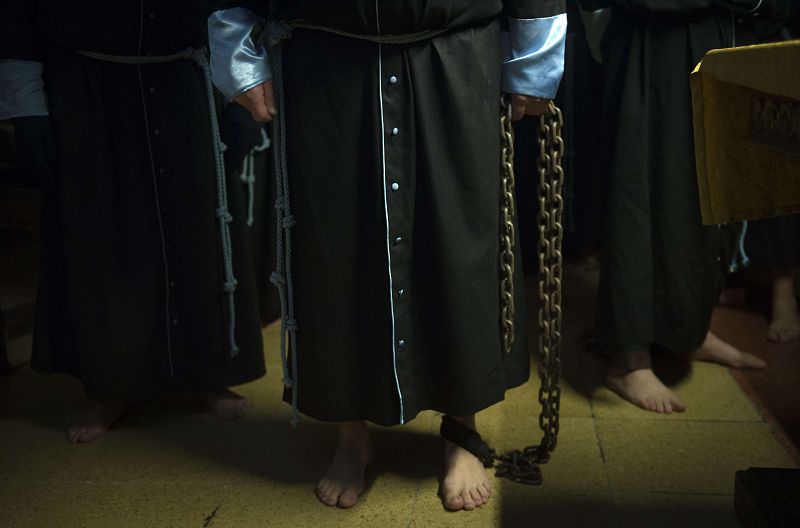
[[238, 63], [21, 89], [534, 60]]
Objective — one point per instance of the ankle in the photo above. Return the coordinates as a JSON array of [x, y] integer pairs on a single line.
[[468, 420], [353, 433]]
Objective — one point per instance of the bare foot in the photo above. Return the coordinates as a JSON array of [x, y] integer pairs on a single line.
[[225, 404], [466, 485], [643, 388], [96, 422], [785, 324], [344, 481], [716, 350]]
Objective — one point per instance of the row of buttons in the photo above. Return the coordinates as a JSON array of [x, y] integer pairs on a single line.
[[167, 247], [401, 343]]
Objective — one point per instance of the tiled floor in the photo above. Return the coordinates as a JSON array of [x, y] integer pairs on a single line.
[[171, 465]]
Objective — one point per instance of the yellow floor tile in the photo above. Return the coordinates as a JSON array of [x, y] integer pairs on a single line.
[[524, 400], [170, 464], [670, 510], [387, 503], [685, 456], [16, 500], [556, 508], [514, 505], [710, 393], [576, 464], [103, 505], [33, 453]]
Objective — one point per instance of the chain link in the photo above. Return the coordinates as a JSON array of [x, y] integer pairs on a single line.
[[523, 466], [507, 234], [551, 233]]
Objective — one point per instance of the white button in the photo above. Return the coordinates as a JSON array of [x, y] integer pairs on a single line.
[[161, 170], [392, 80], [152, 89], [395, 186], [398, 240], [401, 292], [395, 131], [175, 321], [156, 132], [401, 343], [152, 16]]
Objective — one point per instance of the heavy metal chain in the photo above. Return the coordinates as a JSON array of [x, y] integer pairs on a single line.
[[507, 235], [523, 466]]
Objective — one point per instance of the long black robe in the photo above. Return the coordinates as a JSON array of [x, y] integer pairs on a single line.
[[660, 275], [130, 297], [393, 154], [774, 242]]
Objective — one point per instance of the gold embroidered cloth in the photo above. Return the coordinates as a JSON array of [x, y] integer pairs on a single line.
[[746, 104]]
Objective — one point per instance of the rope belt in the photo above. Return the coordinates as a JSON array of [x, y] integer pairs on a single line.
[[276, 32], [198, 56]]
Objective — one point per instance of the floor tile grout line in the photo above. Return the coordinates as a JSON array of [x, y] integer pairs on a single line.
[[617, 510], [681, 420], [699, 494], [413, 506], [419, 484]]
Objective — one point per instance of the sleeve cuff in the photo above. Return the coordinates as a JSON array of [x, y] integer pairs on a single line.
[[535, 56], [238, 63], [21, 89]]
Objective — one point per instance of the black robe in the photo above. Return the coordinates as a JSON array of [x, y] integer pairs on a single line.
[[393, 155], [774, 242], [130, 298], [660, 275]]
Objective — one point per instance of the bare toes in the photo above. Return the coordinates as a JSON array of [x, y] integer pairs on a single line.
[[455, 503], [485, 492], [469, 504], [348, 499], [476, 497]]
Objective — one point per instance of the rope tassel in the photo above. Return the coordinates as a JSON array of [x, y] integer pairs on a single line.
[[224, 216], [248, 174], [282, 277]]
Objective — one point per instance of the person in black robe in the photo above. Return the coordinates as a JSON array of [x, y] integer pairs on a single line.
[[775, 245], [660, 277], [131, 299], [393, 154]]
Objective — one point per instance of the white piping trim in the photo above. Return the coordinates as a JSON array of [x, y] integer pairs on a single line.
[[386, 209], [160, 222], [141, 27]]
